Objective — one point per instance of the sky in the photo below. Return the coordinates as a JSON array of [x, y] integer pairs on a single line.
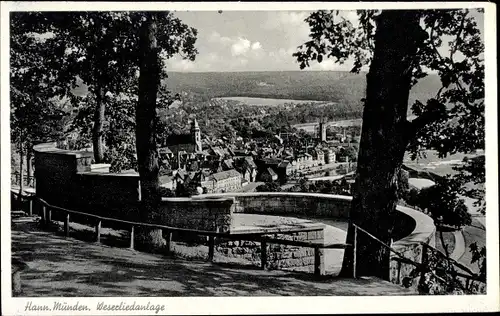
[[251, 41], [248, 41]]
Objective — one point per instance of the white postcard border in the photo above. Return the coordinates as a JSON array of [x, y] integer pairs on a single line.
[[267, 305]]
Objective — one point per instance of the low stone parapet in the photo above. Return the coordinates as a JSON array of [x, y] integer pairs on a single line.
[[278, 256], [412, 229], [202, 214]]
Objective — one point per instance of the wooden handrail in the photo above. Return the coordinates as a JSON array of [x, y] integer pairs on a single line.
[[420, 265], [380, 241], [246, 236], [260, 236], [453, 261]]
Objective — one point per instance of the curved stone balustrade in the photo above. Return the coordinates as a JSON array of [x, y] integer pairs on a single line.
[[415, 226], [412, 229]]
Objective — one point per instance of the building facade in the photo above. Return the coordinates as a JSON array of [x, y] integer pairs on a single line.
[[188, 143], [222, 182]]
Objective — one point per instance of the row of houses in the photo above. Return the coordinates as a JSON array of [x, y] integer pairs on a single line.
[[219, 182], [218, 166]]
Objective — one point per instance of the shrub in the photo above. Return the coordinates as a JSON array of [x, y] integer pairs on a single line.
[[269, 187], [403, 183], [442, 203], [411, 197], [165, 192]]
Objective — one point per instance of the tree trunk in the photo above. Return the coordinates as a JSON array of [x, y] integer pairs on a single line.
[[147, 156], [383, 141], [21, 176], [29, 167], [97, 132]]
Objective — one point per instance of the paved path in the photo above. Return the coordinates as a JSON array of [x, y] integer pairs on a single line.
[[459, 249], [59, 266]]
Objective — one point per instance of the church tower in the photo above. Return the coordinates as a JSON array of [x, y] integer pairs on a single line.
[[322, 131], [196, 134]]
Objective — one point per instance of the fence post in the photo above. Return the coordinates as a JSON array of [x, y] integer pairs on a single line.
[[263, 253], [132, 233], [66, 225], [30, 210], [423, 264], [49, 215], [398, 279], [319, 265], [168, 239], [211, 248], [98, 231], [355, 252], [44, 214]]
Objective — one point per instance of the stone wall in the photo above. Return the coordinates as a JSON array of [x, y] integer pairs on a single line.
[[410, 246], [279, 256], [112, 195], [56, 174], [293, 204], [66, 179], [412, 227], [202, 214]]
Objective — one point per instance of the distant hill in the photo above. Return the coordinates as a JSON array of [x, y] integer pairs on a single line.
[[345, 88]]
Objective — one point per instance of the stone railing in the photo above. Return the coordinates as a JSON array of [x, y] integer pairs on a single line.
[[291, 204], [68, 179], [202, 214], [412, 229], [413, 226], [65, 178]]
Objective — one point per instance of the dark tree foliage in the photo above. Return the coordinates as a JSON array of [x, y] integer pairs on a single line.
[[350, 152], [38, 103], [403, 183], [472, 177], [337, 187], [401, 47], [269, 187], [100, 48], [442, 203], [164, 192], [120, 57]]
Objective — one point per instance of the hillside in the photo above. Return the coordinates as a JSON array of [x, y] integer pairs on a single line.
[[336, 86], [343, 88]]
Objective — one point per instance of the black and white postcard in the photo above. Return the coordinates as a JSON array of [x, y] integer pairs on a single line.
[[248, 158]]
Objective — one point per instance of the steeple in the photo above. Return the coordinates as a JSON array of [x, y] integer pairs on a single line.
[[194, 124], [196, 134], [322, 130]]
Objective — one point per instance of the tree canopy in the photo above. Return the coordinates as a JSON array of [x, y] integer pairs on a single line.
[[38, 110], [99, 49], [400, 47], [452, 121]]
